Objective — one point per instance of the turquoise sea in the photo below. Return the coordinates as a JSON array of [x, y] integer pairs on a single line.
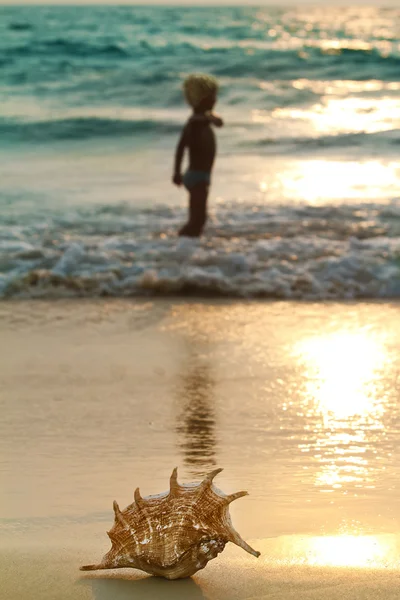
[[305, 201]]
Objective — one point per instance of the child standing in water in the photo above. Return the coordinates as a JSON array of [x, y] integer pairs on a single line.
[[197, 135]]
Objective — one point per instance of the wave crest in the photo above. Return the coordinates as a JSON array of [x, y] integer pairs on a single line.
[[80, 128]]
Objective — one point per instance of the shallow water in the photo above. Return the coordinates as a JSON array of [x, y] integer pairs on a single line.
[[305, 195]]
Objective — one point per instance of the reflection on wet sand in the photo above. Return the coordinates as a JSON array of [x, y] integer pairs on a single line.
[[147, 588], [352, 551], [343, 408], [196, 419], [343, 550]]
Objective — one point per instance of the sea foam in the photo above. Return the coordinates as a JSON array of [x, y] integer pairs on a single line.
[[282, 252]]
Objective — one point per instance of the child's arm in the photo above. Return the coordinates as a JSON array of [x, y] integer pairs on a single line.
[[215, 120], [180, 149], [210, 117]]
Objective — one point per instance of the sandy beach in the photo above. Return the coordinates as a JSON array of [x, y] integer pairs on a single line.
[[268, 347], [297, 402]]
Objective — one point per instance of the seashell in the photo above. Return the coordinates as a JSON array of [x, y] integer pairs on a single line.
[[173, 534]]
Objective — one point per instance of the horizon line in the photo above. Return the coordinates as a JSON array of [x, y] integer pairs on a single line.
[[206, 4]]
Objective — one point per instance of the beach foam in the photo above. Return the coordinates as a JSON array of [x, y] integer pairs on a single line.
[[298, 252]]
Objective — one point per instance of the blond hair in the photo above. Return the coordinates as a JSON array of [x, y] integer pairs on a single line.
[[198, 87]]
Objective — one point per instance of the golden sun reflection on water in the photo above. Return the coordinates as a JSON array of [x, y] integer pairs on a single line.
[[314, 180], [345, 366], [344, 115], [343, 408]]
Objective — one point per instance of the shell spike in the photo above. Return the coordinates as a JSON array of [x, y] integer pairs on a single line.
[[138, 498], [118, 514], [92, 567], [235, 496], [111, 535], [236, 539], [209, 478], [173, 483]]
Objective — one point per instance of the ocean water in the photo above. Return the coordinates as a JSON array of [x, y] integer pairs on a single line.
[[305, 201]]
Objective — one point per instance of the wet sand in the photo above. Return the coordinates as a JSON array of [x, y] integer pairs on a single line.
[[49, 575], [298, 403]]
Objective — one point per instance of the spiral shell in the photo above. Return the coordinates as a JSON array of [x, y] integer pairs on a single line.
[[173, 534]]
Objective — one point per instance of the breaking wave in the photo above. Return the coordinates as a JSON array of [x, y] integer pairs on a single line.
[[323, 253]]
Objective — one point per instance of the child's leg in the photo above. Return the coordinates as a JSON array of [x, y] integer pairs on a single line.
[[197, 211]]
